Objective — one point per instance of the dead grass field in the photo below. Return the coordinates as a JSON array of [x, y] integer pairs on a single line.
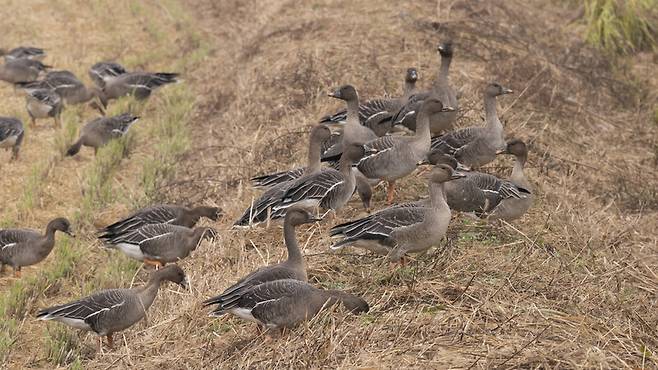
[[574, 284]]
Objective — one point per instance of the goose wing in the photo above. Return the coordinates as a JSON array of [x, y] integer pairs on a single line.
[[312, 187], [10, 127], [270, 179]]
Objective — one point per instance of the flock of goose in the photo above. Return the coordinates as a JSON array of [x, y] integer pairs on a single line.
[[379, 140]]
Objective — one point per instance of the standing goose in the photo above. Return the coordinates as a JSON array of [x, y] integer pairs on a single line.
[[17, 71], [23, 52], [397, 156], [25, 247], [329, 189], [160, 214], [395, 231], [282, 304], [442, 90], [476, 146], [104, 71], [292, 268], [157, 244], [113, 310], [138, 84], [491, 197], [43, 103], [11, 135], [100, 131], [319, 134], [376, 107]]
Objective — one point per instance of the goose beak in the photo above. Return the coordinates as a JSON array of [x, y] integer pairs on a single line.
[[501, 151], [507, 91], [369, 151], [69, 233], [461, 168], [447, 109], [423, 162], [185, 283], [457, 175], [315, 219], [334, 94]]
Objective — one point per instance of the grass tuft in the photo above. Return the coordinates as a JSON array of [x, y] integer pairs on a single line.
[[622, 26]]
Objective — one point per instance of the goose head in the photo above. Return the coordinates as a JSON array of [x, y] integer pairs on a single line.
[[495, 89], [213, 213], [445, 49], [300, 216], [171, 273], [412, 75], [444, 173], [434, 105], [345, 92], [60, 224], [320, 133]]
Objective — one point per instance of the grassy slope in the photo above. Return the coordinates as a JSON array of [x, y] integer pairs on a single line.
[[88, 190]]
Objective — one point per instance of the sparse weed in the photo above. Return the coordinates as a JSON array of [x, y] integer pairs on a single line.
[[61, 345], [622, 26]]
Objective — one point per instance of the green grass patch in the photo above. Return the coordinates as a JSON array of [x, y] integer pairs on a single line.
[[61, 345]]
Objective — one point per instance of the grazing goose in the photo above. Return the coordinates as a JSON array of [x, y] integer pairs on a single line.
[[113, 310], [138, 84], [23, 52], [157, 244], [67, 86], [442, 90], [400, 229], [292, 268], [282, 304], [43, 103], [476, 146], [160, 214], [329, 189], [319, 134], [25, 247], [11, 135], [491, 197], [375, 107], [100, 131], [17, 71], [397, 156], [104, 71]]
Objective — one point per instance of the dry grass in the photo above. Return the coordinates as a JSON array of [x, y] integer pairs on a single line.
[[572, 285]]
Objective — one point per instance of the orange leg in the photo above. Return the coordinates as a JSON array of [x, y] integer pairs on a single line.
[[390, 196], [154, 263], [17, 272], [34, 122], [110, 341]]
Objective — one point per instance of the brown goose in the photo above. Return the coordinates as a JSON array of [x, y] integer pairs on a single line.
[[292, 268], [379, 107], [319, 134], [113, 310], [105, 71], [11, 135], [25, 247], [476, 146], [17, 71], [401, 229], [158, 244], [23, 52], [285, 303], [442, 90], [100, 131], [138, 84], [160, 214], [44, 103], [491, 197], [397, 156]]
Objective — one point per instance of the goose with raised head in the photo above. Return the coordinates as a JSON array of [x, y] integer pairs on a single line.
[[491, 197], [397, 156], [384, 107], [26, 247], [11, 135], [405, 228], [100, 131], [476, 146], [160, 214], [282, 304], [292, 268], [113, 310], [442, 90]]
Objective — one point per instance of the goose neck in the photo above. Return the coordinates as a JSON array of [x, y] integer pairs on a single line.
[[289, 237]]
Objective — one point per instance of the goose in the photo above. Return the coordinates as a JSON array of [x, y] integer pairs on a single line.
[[26, 247], [329, 189], [376, 107], [442, 90], [160, 214], [23, 52], [110, 311], [158, 244], [138, 84], [319, 134], [17, 71], [103, 71], [68, 87], [476, 146], [11, 135], [292, 268], [281, 304], [100, 131], [397, 156], [401, 229], [491, 197], [44, 103]]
